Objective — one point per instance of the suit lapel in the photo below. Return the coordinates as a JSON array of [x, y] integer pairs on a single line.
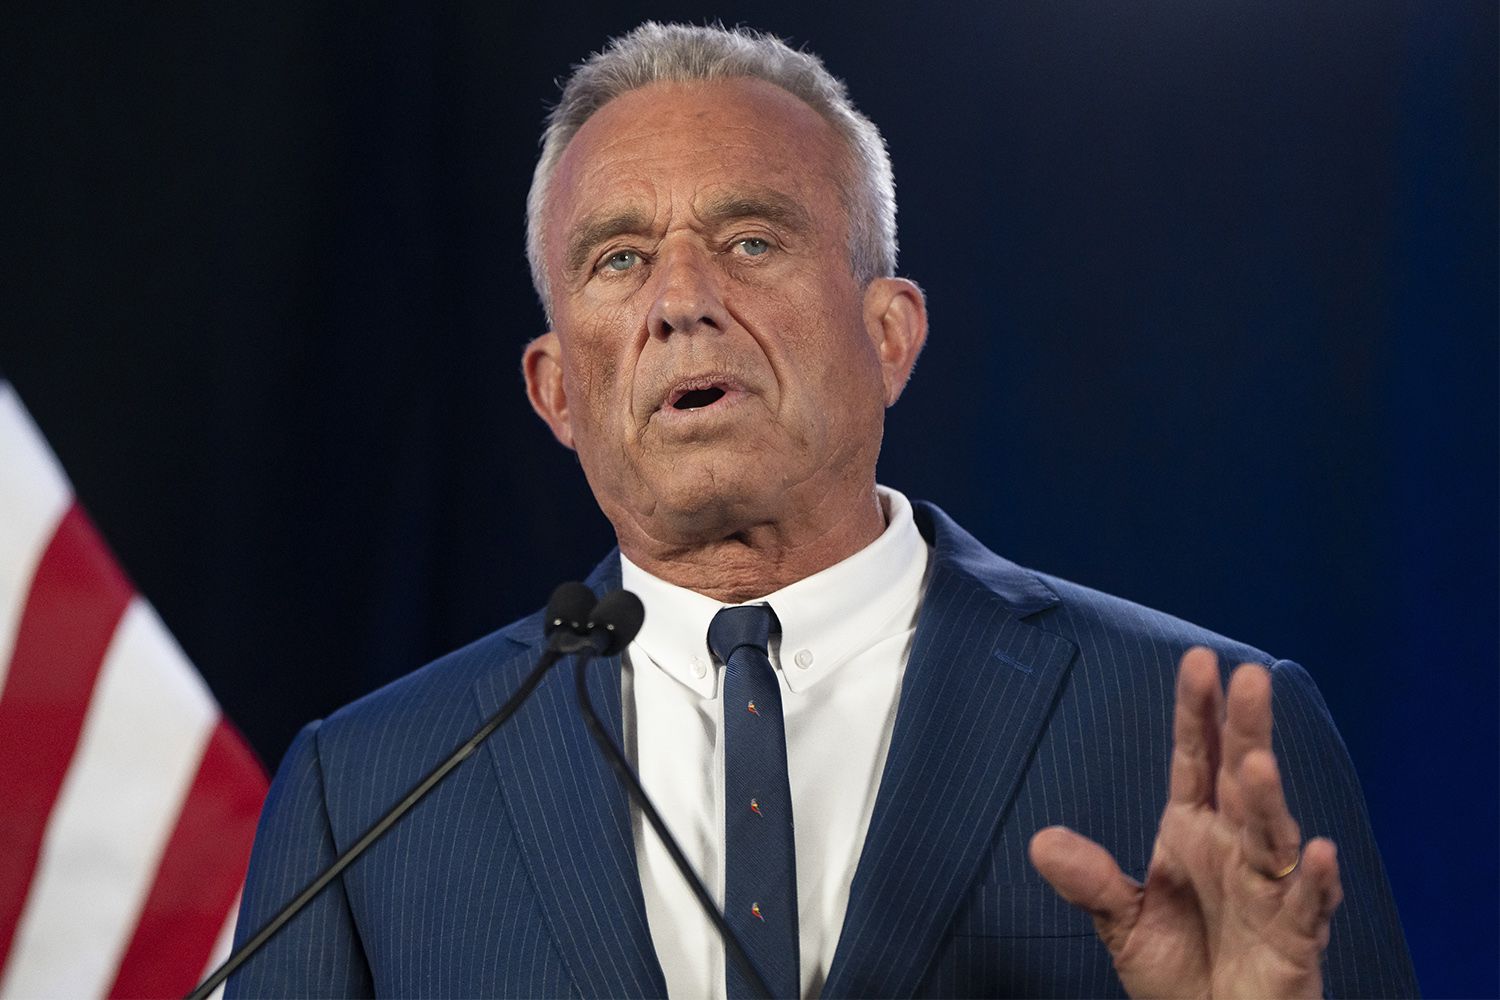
[[572, 820], [979, 686]]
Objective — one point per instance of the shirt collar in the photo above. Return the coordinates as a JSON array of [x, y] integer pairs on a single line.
[[826, 619]]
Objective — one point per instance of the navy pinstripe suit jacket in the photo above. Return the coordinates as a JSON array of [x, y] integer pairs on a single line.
[[1027, 701]]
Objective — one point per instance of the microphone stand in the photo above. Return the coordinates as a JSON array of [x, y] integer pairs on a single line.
[[638, 794], [566, 634], [609, 631]]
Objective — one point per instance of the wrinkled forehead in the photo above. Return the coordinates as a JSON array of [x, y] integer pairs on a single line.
[[670, 146]]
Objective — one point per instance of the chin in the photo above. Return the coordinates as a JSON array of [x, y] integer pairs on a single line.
[[712, 500]]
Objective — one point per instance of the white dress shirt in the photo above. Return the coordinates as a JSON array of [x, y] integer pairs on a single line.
[[845, 636]]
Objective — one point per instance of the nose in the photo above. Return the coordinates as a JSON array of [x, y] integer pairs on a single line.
[[688, 297]]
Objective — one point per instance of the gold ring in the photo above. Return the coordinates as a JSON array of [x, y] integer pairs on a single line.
[[1287, 870]]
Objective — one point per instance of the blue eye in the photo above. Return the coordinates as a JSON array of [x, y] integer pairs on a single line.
[[621, 260], [755, 246]]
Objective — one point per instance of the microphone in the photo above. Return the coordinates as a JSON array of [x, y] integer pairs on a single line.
[[568, 611], [568, 629], [613, 625]]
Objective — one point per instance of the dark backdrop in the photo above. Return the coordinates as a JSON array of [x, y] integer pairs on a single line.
[[1213, 291]]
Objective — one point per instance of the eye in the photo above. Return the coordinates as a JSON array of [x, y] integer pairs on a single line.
[[622, 260], [753, 246]]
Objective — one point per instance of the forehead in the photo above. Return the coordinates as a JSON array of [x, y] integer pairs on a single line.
[[667, 145]]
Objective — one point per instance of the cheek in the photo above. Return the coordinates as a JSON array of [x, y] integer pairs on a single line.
[[592, 377], [817, 329], [594, 382], [601, 353]]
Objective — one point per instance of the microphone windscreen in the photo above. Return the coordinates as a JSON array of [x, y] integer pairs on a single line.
[[617, 618], [569, 607]]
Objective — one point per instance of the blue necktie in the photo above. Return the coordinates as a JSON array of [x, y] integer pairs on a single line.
[[760, 863]]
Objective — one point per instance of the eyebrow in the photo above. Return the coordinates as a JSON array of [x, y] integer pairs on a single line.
[[597, 228], [773, 206]]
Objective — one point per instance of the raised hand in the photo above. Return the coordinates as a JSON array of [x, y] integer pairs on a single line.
[[1233, 905]]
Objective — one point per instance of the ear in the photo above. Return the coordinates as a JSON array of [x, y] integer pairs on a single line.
[[896, 320], [541, 363]]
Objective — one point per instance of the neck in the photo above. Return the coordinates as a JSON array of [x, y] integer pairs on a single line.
[[757, 558]]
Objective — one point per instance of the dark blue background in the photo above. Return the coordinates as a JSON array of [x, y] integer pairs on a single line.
[[1213, 290]]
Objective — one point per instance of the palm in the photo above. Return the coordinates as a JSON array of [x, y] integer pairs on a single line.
[[1211, 919]]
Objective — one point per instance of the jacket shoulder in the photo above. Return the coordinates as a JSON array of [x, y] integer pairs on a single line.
[[1094, 620], [444, 680], [374, 749]]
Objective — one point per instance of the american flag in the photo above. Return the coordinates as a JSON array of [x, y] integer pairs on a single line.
[[127, 801]]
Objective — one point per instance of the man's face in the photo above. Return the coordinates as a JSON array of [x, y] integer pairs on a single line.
[[713, 360]]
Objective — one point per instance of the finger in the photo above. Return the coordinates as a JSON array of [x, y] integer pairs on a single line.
[[1270, 838], [1085, 875], [1248, 719], [1195, 728], [1247, 728], [1316, 892]]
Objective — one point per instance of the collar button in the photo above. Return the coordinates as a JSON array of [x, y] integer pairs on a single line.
[[804, 658]]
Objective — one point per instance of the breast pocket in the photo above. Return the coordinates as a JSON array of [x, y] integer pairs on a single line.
[[1021, 910], [1022, 940]]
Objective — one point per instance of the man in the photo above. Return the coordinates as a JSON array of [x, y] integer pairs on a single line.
[[874, 737]]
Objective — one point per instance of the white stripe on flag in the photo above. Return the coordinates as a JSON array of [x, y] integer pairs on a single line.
[[34, 495], [222, 946], [142, 740]]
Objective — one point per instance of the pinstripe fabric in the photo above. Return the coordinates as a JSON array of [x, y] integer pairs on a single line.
[[1027, 701], [515, 877]]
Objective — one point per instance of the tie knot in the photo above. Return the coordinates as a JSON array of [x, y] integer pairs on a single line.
[[745, 626]]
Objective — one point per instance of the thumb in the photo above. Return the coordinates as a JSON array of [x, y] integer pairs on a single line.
[[1085, 875]]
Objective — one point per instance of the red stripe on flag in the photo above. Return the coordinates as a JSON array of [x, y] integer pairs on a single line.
[[77, 597], [200, 874]]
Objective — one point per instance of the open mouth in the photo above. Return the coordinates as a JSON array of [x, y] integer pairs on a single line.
[[695, 399]]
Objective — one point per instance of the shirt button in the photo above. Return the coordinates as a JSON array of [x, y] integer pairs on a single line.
[[804, 658], [699, 667]]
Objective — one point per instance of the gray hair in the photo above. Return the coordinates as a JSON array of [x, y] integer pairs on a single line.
[[654, 53]]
